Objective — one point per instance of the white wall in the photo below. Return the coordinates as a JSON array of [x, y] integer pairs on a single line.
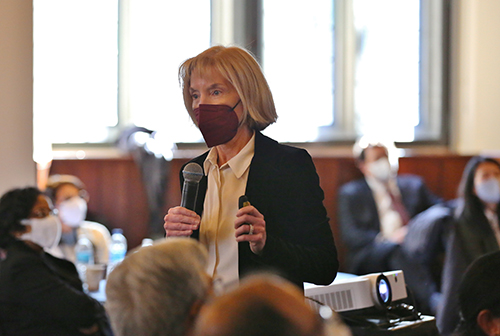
[[17, 168], [476, 76]]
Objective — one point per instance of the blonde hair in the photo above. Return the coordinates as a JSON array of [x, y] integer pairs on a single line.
[[241, 69]]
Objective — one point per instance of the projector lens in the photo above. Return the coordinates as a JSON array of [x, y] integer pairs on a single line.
[[383, 289]]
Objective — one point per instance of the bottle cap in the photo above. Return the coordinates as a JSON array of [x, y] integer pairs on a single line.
[[147, 242]]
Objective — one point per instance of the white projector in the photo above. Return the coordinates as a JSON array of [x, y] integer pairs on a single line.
[[365, 291]]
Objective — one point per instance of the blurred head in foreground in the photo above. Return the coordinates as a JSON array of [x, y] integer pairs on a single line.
[[479, 297], [158, 289], [264, 305]]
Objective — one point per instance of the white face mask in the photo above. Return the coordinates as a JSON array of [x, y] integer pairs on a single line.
[[45, 232], [488, 190], [381, 169], [73, 211]]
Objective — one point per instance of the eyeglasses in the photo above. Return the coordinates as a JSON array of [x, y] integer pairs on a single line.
[[41, 213]]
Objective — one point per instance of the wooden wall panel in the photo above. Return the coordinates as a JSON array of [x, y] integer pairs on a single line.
[[442, 174], [430, 169], [333, 173], [451, 176]]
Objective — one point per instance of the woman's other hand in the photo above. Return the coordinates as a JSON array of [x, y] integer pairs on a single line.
[[251, 227], [180, 221]]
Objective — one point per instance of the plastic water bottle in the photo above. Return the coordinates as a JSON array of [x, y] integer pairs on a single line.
[[147, 242], [117, 249], [84, 253]]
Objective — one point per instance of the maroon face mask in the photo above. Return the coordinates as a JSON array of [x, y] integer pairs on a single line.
[[217, 123]]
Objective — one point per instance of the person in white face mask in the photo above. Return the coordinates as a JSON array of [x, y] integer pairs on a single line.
[[474, 232], [39, 293], [374, 210], [70, 200]]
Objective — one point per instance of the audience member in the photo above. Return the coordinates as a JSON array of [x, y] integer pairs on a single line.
[[479, 297], [40, 294], [70, 198], [265, 305], [374, 212], [285, 227], [474, 232], [158, 289]]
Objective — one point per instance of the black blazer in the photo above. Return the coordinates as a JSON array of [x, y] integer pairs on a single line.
[[42, 295], [360, 224], [284, 186]]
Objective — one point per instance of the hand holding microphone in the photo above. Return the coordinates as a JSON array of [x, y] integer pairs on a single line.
[[250, 226], [182, 220]]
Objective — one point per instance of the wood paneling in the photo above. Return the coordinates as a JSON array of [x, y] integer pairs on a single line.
[[442, 174], [118, 198]]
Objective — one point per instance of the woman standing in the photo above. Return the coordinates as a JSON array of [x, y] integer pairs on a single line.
[[285, 227]]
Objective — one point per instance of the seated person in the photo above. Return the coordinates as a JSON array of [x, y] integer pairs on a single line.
[[474, 232], [158, 289], [265, 305], [479, 298], [70, 198], [40, 294], [374, 210]]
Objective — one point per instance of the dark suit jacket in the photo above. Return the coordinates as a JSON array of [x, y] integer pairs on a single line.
[[360, 224], [284, 186], [42, 295]]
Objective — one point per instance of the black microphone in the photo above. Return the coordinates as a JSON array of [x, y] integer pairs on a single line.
[[192, 175]]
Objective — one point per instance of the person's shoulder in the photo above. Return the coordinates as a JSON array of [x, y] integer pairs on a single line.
[[19, 249], [20, 261], [20, 257], [354, 187], [410, 177], [95, 227], [437, 212], [199, 159], [410, 180], [60, 262], [265, 144]]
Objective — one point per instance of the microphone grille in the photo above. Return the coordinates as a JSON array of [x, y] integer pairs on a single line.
[[192, 172]]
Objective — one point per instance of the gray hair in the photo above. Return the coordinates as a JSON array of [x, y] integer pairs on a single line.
[[153, 291]]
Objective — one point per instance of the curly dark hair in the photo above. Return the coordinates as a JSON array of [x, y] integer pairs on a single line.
[[15, 205]]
